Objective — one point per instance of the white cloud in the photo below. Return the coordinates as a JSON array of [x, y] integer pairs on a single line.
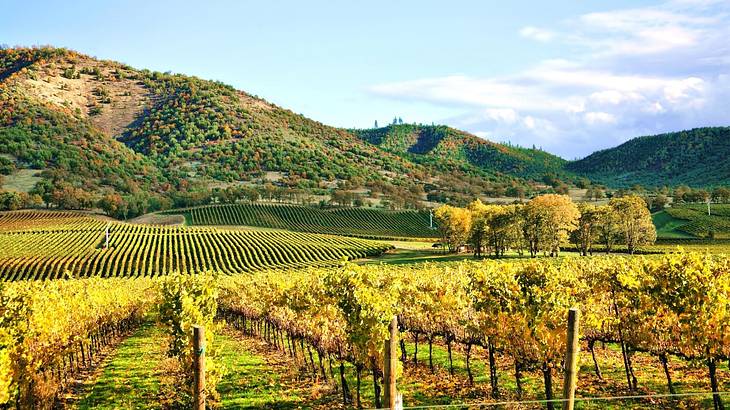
[[537, 34], [593, 118], [639, 71], [505, 115]]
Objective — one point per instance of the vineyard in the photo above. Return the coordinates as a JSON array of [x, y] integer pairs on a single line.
[[368, 223], [694, 220], [501, 322], [47, 245], [673, 308]]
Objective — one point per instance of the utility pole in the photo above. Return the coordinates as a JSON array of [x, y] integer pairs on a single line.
[[430, 215], [106, 243]]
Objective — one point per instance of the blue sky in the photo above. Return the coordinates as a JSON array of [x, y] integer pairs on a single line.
[[571, 77]]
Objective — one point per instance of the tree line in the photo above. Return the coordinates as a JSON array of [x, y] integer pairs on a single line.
[[544, 224]]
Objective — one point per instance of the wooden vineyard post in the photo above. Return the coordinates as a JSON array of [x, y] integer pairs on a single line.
[[572, 346], [199, 368], [390, 365]]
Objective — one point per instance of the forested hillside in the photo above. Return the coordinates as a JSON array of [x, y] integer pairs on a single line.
[[695, 157], [444, 146], [76, 130], [73, 122]]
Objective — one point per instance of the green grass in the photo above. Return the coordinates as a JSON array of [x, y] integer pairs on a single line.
[[130, 380], [259, 377], [667, 226], [22, 180], [251, 382]]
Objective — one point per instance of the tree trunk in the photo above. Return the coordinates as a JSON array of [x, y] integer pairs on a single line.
[[430, 353], [311, 359], [518, 380], [591, 347], [376, 388], [468, 364], [717, 401], [547, 375], [663, 359], [627, 364], [346, 395], [492, 370], [403, 353], [332, 372], [321, 365], [451, 362], [358, 374], [634, 382], [415, 352]]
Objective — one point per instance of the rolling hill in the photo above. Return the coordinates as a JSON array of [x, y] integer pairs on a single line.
[[72, 125], [696, 157], [103, 126], [441, 146]]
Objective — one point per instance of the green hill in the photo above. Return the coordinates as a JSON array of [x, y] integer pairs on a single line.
[[447, 148], [696, 157], [103, 126]]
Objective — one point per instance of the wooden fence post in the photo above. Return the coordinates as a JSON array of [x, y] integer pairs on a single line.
[[572, 346], [390, 365], [199, 367]]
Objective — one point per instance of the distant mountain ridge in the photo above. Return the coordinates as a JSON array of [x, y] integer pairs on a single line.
[[426, 144], [696, 157]]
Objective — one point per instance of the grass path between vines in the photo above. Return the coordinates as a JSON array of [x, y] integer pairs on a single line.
[[130, 379], [258, 377]]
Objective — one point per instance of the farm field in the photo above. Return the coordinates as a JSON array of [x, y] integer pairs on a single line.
[[47, 245], [368, 223]]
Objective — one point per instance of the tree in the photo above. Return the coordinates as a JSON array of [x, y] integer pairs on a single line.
[[270, 190], [587, 232], [376, 124], [454, 225], [342, 197], [609, 230], [680, 192], [481, 215], [111, 204], [10, 201], [634, 221], [548, 220], [659, 202], [721, 194]]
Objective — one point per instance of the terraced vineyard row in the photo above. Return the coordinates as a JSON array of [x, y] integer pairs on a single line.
[[139, 250], [369, 223], [47, 221]]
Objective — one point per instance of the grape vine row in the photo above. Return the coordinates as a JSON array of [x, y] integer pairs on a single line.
[[367, 223], [77, 247]]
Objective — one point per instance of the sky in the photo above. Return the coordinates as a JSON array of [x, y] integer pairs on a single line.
[[571, 77]]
